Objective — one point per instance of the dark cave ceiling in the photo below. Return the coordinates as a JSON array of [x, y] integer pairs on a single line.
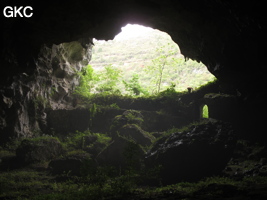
[[229, 37]]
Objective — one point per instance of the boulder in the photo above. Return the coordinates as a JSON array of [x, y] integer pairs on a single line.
[[71, 165], [38, 150], [121, 154], [202, 150]]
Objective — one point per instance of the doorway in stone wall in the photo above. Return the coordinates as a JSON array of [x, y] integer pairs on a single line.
[[205, 111]]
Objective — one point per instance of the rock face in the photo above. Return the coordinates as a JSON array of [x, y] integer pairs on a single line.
[[222, 106], [201, 151], [64, 121], [24, 103]]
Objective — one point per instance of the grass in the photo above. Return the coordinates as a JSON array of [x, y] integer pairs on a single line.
[[22, 183], [33, 185], [27, 184], [210, 188], [6, 153]]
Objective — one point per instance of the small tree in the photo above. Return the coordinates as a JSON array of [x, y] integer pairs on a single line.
[[109, 79], [159, 64], [133, 86]]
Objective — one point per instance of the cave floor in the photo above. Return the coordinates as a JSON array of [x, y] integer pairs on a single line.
[[35, 182], [245, 178]]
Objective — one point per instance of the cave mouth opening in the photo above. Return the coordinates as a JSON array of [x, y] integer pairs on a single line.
[[147, 61]]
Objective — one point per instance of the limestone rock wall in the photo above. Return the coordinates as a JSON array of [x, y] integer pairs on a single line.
[[24, 103]]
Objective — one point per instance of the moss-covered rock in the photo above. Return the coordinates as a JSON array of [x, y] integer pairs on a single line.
[[38, 150], [128, 125], [137, 134], [70, 164], [122, 153], [127, 117], [74, 51]]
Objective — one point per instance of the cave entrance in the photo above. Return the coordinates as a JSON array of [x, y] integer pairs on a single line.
[[205, 111], [145, 61]]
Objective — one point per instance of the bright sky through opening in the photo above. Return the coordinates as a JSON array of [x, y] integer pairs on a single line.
[[134, 49], [131, 31]]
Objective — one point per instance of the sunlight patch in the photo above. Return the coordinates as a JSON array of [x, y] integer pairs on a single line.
[[130, 31], [205, 112]]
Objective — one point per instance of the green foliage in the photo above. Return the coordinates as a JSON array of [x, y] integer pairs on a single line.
[[101, 184], [42, 138], [78, 141], [160, 64], [93, 111], [92, 82], [166, 65], [133, 86], [17, 184], [138, 69], [114, 105], [210, 188], [169, 92], [87, 81], [133, 117], [108, 80]]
